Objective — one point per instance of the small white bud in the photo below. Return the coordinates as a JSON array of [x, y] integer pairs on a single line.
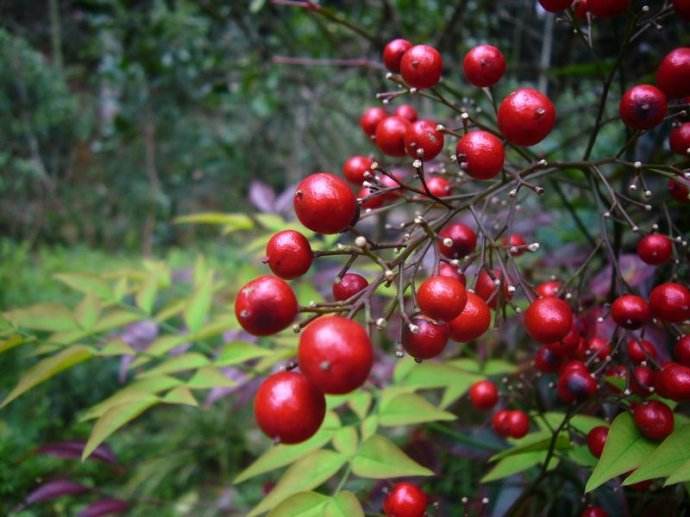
[[361, 241], [534, 247], [389, 275], [447, 242], [380, 323]]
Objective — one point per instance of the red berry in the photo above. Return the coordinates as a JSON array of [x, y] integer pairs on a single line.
[[546, 360], [596, 439], [643, 107], [369, 198], [548, 288], [473, 321], [518, 423], [574, 366], [390, 135], [482, 154], [608, 8], [335, 354], [423, 140], [405, 500], [673, 382], [548, 320], [679, 191], [392, 185], [421, 66], [356, 167], [463, 237], [673, 74], [581, 8], [324, 203], [500, 424], [670, 302], [599, 347], [483, 394], [682, 7], [568, 345], [555, 6], [407, 112], [594, 511], [370, 119], [630, 311], [289, 254], [492, 288], [654, 419], [446, 269], [441, 298], [348, 286], [681, 350], [427, 341], [639, 351], [526, 117], [655, 249], [393, 53], [265, 306], [680, 139], [516, 244], [642, 381], [289, 408], [438, 186], [575, 384], [484, 65]]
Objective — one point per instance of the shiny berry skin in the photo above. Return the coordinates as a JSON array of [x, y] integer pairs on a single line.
[[393, 53], [555, 6], [594, 511], [492, 288], [654, 419], [499, 422], [641, 350], [630, 311], [596, 439], [682, 8], [350, 284], [423, 140], [673, 74], [548, 288], [642, 381], [655, 249], [679, 191], [526, 117], [429, 340], [643, 107], [289, 254], [599, 347], [681, 350], [546, 361], [265, 306], [407, 112], [335, 354], [575, 384], [679, 139], [375, 201], [482, 154], [356, 167], [289, 408], [483, 394], [673, 382], [463, 237], [608, 8], [548, 320], [446, 269], [324, 203], [670, 302], [438, 186], [574, 366], [370, 119], [518, 423], [390, 135], [421, 66], [441, 298], [581, 8], [405, 500], [568, 345], [516, 244], [484, 65], [472, 322]]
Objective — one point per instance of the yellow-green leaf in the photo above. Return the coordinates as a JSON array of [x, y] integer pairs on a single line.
[[343, 504], [379, 458], [304, 504], [196, 312], [50, 317], [146, 296], [666, 459], [345, 440], [518, 463], [209, 377], [230, 222], [410, 409], [180, 395], [87, 283], [12, 341], [88, 311], [183, 362], [239, 352]]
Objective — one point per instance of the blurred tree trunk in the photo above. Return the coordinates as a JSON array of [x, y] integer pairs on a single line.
[[55, 33], [148, 230]]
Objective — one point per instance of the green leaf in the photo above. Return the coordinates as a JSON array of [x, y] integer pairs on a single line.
[[680, 475], [403, 367], [359, 403], [50, 317], [345, 440], [518, 463], [666, 459], [625, 450], [307, 473], [146, 296], [230, 222], [456, 390], [116, 347], [409, 409], [88, 311], [12, 341], [430, 374], [582, 423], [488, 368], [209, 377], [582, 456], [200, 303], [239, 352], [188, 361], [538, 441], [47, 368], [304, 504], [379, 458], [344, 504], [369, 426], [87, 284], [180, 395]]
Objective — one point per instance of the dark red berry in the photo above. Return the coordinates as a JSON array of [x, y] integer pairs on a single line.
[[526, 117], [673, 382], [518, 423], [405, 500], [673, 74], [594, 511], [575, 384], [548, 288], [548, 320], [421, 66], [438, 186], [289, 408], [428, 339], [680, 139], [682, 8], [390, 135], [393, 53], [641, 350], [481, 154], [599, 347], [596, 439], [679, 190], [642, 381], [289, 254], [630, 311], [356, 167], [370, 198], [484, 65], [407, 112], [441, 298], [555, 6], [568, 345], [492, 287], [324, 203], [472, 322], [655, 249], [581, 8], [446, 269], [546, 360], [370, 119], [423, 140], [348, 286], [670, 302], [608, 8], [463, 240], [516, 244], [643, 107], [654, 419], [500, 424], [265, 306], [483, 394], [574, 366], [681, 350]]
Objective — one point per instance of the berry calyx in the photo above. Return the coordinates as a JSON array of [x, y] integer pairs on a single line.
[[265, 306], [390, 135], [481, 154], [641, 350], [643, 106], [348, 286], [681, 350], [655, 249], [679, 139], [673, 74], [393, 53], [441, 298], [324, 203], [670, 302], [421, 66], [548, 320], [555, 6], [288, 408], [630, 311], [370, 119], [608, 8], [426, 338], [356, 167], [483, 394], [472, 322], [484, 65], [289, 254], [526, 117], [463, 240], [405, 500], [596, 439], [423, 140], [654, 419]]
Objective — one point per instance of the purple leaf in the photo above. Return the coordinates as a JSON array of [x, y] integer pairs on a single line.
[[54, 489], [283, 203], [633, 269], [73, 450], [104, 507], [262, 196]]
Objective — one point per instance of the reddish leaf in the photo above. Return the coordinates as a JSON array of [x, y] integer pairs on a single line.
[[104, 507], [262, 196], [54, 489], [74, 449]]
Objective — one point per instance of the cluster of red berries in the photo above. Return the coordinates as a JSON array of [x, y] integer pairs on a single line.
[[605, 8]]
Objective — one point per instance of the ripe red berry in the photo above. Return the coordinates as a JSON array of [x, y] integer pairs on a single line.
[[599, 347], [641, 350], [548, 288], [596, 439], [481, 153], [348, 286], [446, 269], [428, 340], [472, 322], [516, 244], [483, 394], [393, 53], [673, 382], [518, 423], [492, 288], [655, 249], [545, 360], [391, 183], [438, 186], [356, 167], [680, 139], [407, 112], [335, 354], [643, 106], [574, 366], [421, 66], [289, 408], [405, 500], [642, 381], [608, 8], [555, 6], [463, 240], [630, 311], [594, 511], [289, 254], [654, 419], [423, 140], [568, 345], [369, 198], [484, 65], [370, 119], [441, 298], [575, 384], [324, 203], [581, 8], [526, 117], [682, 8], [681, 350], [548, 320], [265, 306], [670, 302], [499, 422], [390, 135], [679, 191], [673, 74]]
